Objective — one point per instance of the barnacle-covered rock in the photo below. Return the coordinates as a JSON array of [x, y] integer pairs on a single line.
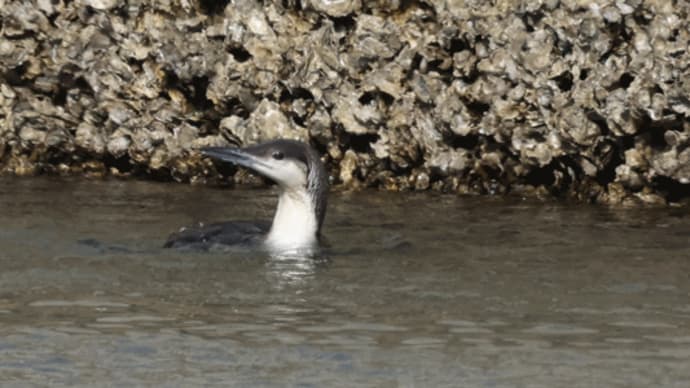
[[448, 162], [355, 117], [335, 7], [266, 122], [90, 138], [348, 166], [569, 98], [101, 5], [119, 143]]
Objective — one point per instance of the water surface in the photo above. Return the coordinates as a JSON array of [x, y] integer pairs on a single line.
[[414, 290]]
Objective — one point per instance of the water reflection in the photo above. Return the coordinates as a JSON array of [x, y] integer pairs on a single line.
[[483, 292], [293, 269]]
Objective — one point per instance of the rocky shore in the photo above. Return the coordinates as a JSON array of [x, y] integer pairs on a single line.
[[578, 99]]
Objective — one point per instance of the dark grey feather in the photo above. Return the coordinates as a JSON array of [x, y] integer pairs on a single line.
[[205, 237]]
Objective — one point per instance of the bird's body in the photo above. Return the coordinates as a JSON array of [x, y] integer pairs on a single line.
[[296, 226], [219, 235]]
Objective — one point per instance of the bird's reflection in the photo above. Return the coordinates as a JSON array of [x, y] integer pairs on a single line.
[[294, 269]]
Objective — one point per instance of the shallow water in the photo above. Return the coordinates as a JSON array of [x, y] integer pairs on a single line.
[[414, 290]]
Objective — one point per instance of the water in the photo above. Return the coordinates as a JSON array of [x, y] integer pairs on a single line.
[[415, 290]]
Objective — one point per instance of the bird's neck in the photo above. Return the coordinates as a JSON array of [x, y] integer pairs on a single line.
[[295, 224]]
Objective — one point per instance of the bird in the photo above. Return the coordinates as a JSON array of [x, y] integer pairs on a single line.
[[302, 180]]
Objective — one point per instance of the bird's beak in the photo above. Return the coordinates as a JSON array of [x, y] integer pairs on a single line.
[[233, 155]]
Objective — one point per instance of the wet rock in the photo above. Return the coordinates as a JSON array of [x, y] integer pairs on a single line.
[[101, 5], [449, 162], [31, 136], [568, 98], [266, 122], [119, 143], [422, 181], [335, 7], [90, 139], [356, 118], [348, 165]]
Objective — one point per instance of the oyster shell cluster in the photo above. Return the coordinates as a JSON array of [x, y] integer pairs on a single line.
[[571, 98]]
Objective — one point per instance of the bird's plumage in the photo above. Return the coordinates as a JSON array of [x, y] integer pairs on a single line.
[[299, 173]]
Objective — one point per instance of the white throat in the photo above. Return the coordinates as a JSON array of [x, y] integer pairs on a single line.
[[294, 224]]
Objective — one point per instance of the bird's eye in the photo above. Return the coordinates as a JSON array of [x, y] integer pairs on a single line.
[[277, 155]]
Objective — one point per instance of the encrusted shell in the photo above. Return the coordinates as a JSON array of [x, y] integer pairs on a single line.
[[578, 98]]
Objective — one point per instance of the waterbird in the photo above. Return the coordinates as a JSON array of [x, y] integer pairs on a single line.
[[303, 189]]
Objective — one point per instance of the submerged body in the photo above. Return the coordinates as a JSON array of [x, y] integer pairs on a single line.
[[296, 226], [220, 235]]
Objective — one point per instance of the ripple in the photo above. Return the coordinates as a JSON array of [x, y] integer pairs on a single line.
[[109, 326], [423, 341], [354, 326], [559, 329], [133, 318], [470, 330], [78, 303], [76, 330], [628, 288], [622, 340], [477, 341], [460, 326], [456, 322], [673, 339], [275, 336], [344, 340], [581, 310], [644, 324]]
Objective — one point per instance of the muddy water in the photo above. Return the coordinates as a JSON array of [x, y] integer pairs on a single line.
[[414, 290]]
